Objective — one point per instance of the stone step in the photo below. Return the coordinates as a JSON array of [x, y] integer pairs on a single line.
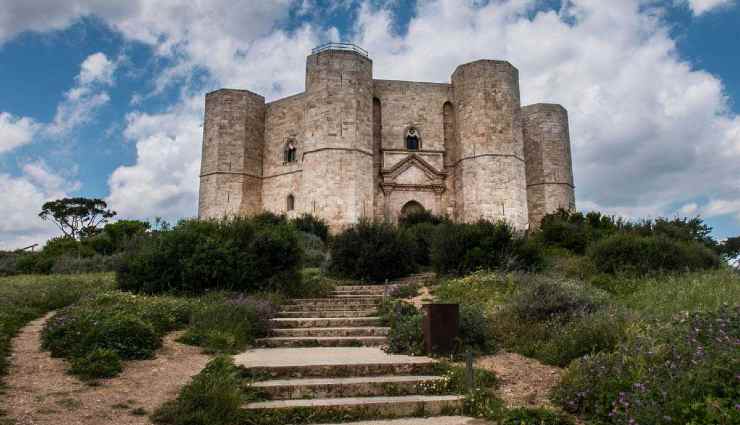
[[329, 362], [283, 389], [347, 302], [376, 288], [351, 295], [318, 341], [324, 322], [328, 313], [331, 332], [435, 420], [328, 307], [412, 405]]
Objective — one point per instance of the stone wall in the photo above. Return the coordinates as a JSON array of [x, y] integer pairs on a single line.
[[231, 165], [481, 154], [548, 158], [490, 168]]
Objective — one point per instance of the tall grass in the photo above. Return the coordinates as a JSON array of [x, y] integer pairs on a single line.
[[662, 297]]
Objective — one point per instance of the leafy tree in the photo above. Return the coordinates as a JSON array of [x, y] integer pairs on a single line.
[[77, 217], [731, 248]]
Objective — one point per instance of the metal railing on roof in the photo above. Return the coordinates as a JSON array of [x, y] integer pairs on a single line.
[[340, 46]]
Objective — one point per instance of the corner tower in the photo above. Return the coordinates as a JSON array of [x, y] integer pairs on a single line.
[[231, 163], [337, 182], [490, 173], [548, 155]]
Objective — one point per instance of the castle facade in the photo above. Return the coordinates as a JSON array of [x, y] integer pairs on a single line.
[[352, 147]]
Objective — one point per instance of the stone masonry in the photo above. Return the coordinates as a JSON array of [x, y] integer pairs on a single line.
[[353, 147]]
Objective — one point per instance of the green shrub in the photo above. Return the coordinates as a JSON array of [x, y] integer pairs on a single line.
[[314, 250], [541, 299], [195, 256], [76, 332], [372, 251], [422, 235], [629, 253], [419, 217], [213, 397], [530, 416], [99, 363], [684, 372], [461, 248], [588, 334], [228, 324], [313, 285], [405, 335], [311, 224], [475, 333]]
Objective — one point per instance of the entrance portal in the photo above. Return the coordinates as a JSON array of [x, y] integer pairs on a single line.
[[411, 207]]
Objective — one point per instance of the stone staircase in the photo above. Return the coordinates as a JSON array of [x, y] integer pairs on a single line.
[[345, 319], [324, 357]]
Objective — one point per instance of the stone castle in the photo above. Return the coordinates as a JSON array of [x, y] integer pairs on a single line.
[[352, 147]]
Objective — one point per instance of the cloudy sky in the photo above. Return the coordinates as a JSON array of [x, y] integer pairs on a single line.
[[105, 99]]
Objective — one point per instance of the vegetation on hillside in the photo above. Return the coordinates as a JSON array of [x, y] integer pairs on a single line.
[[25, 298]]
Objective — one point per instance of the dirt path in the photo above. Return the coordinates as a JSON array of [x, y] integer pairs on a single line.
[[40, 392], [524, 382]]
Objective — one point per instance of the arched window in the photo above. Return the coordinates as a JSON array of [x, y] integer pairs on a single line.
[[290, 202], [413, 140], [289, 154]]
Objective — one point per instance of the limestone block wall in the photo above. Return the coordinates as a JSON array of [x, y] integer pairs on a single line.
[[548, 158], [231, 165], [411, 104], [490, 172], [338, 140], [481, 156]]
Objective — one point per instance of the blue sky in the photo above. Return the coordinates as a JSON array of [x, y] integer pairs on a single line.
[[105, 100]]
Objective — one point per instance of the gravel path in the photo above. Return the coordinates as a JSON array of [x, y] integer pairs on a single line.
[[41, 392]]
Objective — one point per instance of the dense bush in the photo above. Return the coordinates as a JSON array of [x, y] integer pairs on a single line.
[[419, 217], [24, 298], [683, 373], [641, 255], [405, 321], [576, 231], [100, 363], [461, 248], [222, 323], [422, 235], [541, 299], [313, 248], [195, 256], [372, 251], [529, 416], [130, 326], [556, 321], [213, 397], [475, 330], [311, 224]]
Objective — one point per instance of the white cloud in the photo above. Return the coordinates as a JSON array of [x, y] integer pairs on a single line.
[[699, 7], [21, 225], [81, 101], [96, 68], [164, 180], [15, 131]]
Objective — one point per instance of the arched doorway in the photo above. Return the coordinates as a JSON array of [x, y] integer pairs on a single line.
[[411, 207]]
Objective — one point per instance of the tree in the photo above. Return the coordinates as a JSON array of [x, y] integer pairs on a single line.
[[731, 248], [77, 217]]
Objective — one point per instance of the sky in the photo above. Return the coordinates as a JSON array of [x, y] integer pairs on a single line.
[[105, 99]]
